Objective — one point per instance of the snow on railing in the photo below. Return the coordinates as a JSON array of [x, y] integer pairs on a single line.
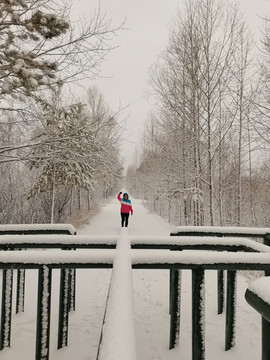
[[226, 230], [57, 240], [99, 241], [36, 228], [56, 258], [140, 258], [201, 241], [209, 260], [118, 332]]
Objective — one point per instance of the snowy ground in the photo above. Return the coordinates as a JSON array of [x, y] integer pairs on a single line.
[[151, 306]]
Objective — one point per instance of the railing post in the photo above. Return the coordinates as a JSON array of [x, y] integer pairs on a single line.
[[6, 309], [266, 239], [72, 302], [43, 313], [198, 310], [230, 310], [265, 339], [171, 274], [175, 308], [265, 334], [220, 287], [64, 305], [72, 287], [20, 291]]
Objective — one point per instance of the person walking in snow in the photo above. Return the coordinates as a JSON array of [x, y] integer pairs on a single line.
[[126, 208]]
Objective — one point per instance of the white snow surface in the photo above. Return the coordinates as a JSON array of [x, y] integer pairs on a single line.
[[151, 305], [261, 287]]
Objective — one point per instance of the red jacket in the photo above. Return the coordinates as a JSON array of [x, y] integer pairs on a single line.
[[125, 205]]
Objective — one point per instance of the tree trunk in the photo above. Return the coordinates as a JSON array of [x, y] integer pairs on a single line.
[[79, 199], [53, 196], [89, 200]]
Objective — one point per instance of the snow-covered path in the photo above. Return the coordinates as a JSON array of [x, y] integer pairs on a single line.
[[151, 306]]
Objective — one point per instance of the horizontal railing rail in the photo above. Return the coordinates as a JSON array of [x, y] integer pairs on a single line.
[[56, 259], [35, 229], [158, 260], [222, 231], [219, 231], [10, 242], [197, 243]]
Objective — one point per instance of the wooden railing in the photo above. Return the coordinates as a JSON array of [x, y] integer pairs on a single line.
[[241, 254]]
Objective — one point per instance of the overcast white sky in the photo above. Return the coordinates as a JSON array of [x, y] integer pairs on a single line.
[[126, 69]]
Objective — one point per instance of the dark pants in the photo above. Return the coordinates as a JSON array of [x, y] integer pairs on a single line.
[[124, 217]]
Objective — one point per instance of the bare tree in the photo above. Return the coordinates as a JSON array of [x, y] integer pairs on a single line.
[[204, 103]]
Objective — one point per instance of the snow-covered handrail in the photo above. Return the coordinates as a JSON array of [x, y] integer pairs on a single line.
[[186, 241], [140, 259], [39, 228], [99, 241], [57, 258], [240, 231], [57, 240], [209, 260], [118, 332]]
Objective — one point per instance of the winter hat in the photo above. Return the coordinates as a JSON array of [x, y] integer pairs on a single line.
[[125, 194]]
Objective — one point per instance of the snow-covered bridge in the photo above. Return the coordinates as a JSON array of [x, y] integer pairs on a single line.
[[148, 321]]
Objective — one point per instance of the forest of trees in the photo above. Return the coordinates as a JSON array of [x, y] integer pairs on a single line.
[[204, 157], [59, 153], [205, 150]]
